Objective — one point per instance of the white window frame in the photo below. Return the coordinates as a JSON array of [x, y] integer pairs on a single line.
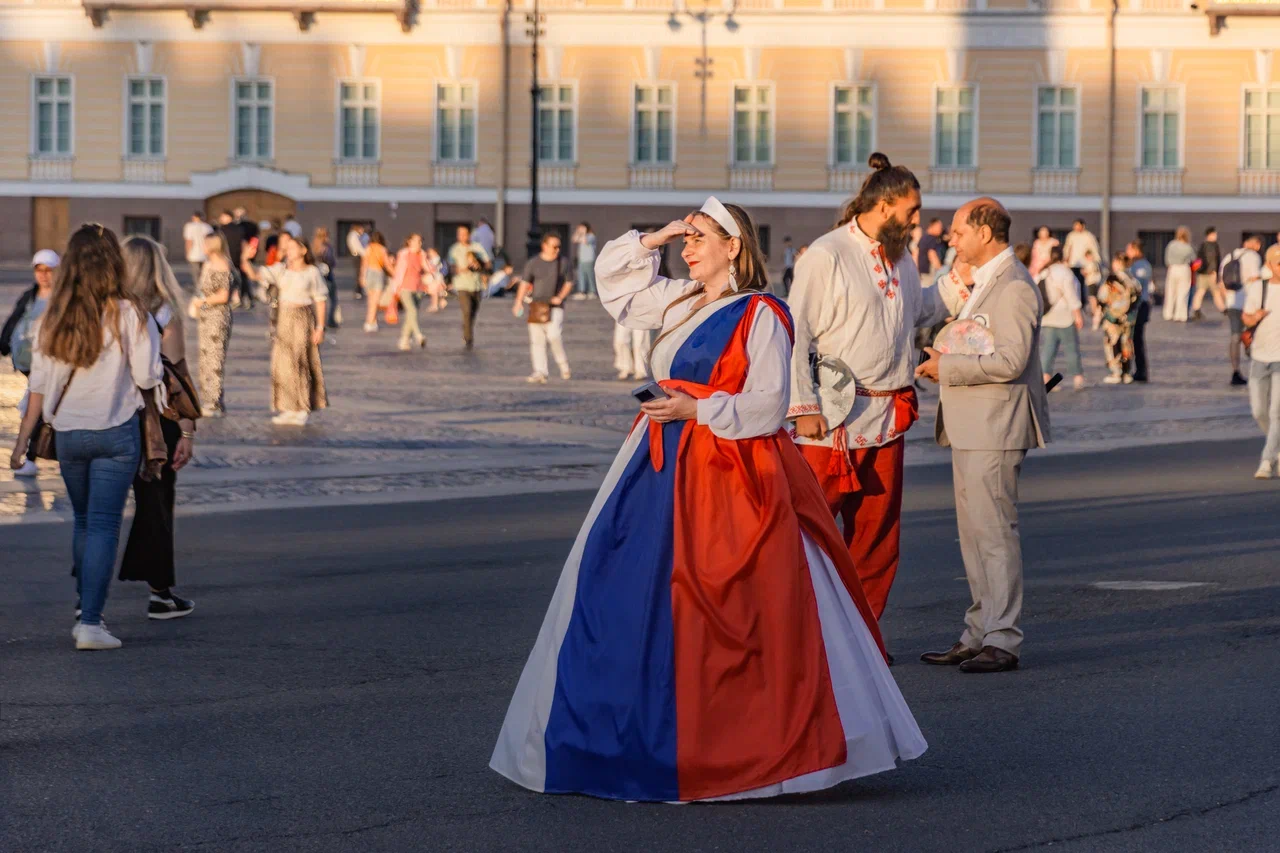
[[832, 152], [654, 85], [35, 118], [360, 104], [733, 127], [146, 100], [1035, 126], [555, 107], [435, 121], [235, 102], [1182, 125], [977, 125], [1244, 135]]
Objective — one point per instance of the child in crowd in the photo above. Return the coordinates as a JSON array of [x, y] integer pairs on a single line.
[[436, 275]]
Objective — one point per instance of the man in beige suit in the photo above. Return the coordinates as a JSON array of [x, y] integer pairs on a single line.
[[993, 408]]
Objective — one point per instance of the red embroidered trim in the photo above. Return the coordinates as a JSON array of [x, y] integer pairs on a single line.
[[804, 409]]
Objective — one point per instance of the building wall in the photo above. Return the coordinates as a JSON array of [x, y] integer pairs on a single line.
[[904, 48]]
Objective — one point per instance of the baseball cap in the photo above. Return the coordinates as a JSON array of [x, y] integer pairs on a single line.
[[45, 258]]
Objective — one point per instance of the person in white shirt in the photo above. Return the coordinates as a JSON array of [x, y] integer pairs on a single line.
[[193, 234], [856, 302], [1261, 299], [1240, 269], [96, 351], [356, 247], [1080, 241], [1062, 319]]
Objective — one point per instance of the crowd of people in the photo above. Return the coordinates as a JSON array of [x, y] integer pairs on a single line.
[[100, 336]]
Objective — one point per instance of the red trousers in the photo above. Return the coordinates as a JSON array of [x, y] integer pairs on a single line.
[[871, 515]]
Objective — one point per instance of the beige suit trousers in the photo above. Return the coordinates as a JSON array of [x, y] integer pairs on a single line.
[[986, 486]]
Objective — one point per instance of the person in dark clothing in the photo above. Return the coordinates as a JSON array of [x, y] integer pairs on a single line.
[[1140, 271], [1210, 257], [16, 339]]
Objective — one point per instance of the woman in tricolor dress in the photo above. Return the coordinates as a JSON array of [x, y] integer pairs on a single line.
[[708, 637]]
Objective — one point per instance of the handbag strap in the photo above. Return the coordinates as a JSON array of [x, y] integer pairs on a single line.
[[63, 395]]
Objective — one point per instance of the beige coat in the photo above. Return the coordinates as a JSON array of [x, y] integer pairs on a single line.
[[998, 401]]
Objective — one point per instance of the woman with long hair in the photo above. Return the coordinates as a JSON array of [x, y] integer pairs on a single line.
[[1178, 257], [96, 352], [407, 283], [297, 380], [376, 269], [327, 260], [148, 552], [213, 308], [709, 637]]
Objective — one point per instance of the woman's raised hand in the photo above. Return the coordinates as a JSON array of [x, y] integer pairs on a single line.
[[672, 231]]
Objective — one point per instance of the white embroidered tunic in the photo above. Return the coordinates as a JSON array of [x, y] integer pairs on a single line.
[[848, 303]]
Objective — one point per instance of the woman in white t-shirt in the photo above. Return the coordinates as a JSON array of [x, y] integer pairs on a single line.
[[148, 552], [1062, 318], [297, 381], [94, 351], [1261, 300]]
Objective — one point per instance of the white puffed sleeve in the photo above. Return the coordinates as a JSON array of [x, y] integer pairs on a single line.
[[813, 312], [761, 407], [629, 286]]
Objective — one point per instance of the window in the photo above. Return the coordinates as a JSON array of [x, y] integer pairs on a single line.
[[654, 127], [556, 123], [1160, 123], [255, 101], [145, 120], [955, 127], [1153, 245], [853, 124], [359, 108], [763, 235], [53, 116], [147, 226], [753, 125], [455, 122], [1262, 129], [1056, 112]]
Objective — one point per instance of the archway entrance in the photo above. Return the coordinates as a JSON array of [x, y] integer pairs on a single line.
[[259, 204]]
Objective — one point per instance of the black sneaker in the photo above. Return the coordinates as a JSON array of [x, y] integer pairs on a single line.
[[1237, 379], [168, 607]]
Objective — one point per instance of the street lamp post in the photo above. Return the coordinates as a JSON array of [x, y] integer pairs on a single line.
[[703, 71], [534, 32]]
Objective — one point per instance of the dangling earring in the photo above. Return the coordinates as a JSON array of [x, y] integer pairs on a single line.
[[733, 277]]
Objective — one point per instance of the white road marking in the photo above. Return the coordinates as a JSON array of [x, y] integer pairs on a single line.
[[1149, 586]]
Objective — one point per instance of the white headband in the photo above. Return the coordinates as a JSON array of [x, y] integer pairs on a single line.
[[721, 215]]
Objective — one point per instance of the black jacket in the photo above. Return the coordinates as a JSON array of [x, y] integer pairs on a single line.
[[12, 323]]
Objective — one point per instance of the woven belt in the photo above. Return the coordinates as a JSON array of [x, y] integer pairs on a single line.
[[871, 392]]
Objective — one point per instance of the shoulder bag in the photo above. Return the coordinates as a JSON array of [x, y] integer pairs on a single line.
[[539, 312], [45, 442]]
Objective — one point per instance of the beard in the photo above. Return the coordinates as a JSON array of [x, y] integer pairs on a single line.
[[894, 236]]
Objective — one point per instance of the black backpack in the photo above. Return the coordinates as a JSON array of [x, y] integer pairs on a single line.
[[1231, 273]]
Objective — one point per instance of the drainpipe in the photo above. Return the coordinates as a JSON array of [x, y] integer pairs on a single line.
[[500, 211], [1107, 177]]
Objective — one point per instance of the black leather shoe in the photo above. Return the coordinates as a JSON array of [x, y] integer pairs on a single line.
[[990, 659], [954, 656]]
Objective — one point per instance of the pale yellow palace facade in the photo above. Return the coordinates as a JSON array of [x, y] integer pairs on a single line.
[[417, 115]]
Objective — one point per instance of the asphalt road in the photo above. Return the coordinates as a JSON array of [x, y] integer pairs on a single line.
[[342, 680]]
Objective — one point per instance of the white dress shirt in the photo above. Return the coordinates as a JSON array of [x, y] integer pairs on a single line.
[[982, 277]]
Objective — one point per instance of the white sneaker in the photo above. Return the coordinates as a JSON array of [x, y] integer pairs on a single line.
[[371, 327], [1266, 471], [579, 297], [1127, 379], [28, 469], [623, 376], [96, 638], [1113, 379], [300, 418], [75, 629], [290, 419], [537, 379], [566, 375], [1078, 383], [403, 346]]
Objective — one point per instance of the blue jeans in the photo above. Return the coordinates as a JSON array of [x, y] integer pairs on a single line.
[[586, 278], [1264, 400], [1051, 339], [98, 467]]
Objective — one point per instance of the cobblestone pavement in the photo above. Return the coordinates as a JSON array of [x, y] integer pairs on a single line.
[[447, 423]]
